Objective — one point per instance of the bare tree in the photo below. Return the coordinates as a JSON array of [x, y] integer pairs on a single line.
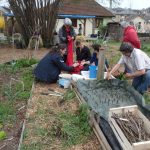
[[33, 14], [111, 2]]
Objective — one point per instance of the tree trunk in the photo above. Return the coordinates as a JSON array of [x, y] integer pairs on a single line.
[[36, 17]]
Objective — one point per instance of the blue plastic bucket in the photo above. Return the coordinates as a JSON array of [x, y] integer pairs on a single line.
[[93, 71]]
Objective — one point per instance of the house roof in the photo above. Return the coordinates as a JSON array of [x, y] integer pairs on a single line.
[[124, 12], [84, 7], [132, 17]]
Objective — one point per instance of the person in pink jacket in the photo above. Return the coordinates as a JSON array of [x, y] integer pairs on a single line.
[[130, 35]]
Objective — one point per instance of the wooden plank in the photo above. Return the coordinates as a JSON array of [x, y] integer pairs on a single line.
[[142, 145], [125, 109], [79, 96], [99, 139], [101, 65], [120, 136], [100, 133], [146, 121]]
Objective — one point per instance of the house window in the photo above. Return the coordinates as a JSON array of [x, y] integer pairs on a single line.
[[98, 22], [74, 22], [139, 25]]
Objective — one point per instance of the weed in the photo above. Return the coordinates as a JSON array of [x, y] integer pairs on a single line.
[[147, 97], [122, 76], [2, 135], [40, 132], [24, 95], [25, 62], [6, 112], [27, 79], [13, 91], [69, 95]]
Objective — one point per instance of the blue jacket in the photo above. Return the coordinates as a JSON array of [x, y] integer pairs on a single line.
[[50, 67], [95, 60]]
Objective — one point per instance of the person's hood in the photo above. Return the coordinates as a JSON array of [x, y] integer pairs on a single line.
[[129, 28]]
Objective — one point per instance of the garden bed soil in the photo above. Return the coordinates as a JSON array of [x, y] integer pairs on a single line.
[[42, 114], [13, 128], [52, 105], [7, 54]]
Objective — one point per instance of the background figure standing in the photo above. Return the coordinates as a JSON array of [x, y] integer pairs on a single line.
[[67, 35], [80, 29], [130, 34]]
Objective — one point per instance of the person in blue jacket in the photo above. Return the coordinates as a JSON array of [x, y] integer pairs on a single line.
[[52, 64], [94, 59]]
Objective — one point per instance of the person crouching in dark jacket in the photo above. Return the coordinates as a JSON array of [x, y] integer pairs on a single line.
[[52, 64], [82, 52]]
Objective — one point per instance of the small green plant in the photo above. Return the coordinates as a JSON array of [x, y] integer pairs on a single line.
[[10, 93], [1, 126], [69, 95], [6, 112], [122, 76], [26, 62], [2, 135], [147, 97]]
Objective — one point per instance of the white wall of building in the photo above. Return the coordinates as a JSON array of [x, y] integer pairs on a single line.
[[136, 22], [88, 28]]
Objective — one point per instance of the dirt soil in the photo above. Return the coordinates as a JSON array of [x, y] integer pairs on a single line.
[[13, 128], [39, 104], [8, 54]]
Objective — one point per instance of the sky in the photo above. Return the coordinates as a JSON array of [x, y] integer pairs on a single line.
[[133, 4]]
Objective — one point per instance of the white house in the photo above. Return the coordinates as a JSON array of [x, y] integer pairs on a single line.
[[87, 15]]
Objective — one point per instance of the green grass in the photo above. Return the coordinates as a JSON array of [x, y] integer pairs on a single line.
[[146, 48], [147, 97], [69, 95], [18, 90], [7, 112], [2, 135], [73, 128], [33, 146]]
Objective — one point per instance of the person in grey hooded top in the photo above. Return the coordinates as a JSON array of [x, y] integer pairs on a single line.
[[62, 31], [67, 34]]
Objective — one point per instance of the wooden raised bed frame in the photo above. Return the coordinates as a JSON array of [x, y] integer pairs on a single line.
[[93, 122]]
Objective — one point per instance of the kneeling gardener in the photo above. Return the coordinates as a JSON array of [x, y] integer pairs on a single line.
[[52, 64], [137, 64]]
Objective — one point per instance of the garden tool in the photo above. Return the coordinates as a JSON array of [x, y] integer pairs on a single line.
[[51, 90], [52, 93]]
